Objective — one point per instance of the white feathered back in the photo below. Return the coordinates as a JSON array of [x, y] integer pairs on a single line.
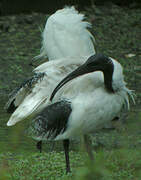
[[65, 34]]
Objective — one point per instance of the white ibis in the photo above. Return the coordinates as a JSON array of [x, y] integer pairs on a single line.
[[87, 107], [67, 42]]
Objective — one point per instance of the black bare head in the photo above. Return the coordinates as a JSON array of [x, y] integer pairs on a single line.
[[97, 62]]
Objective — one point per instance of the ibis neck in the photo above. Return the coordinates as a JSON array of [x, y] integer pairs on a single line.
[[108, 76]]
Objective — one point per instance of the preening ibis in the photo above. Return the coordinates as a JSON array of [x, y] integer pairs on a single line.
[[96, 100], [67, 43]]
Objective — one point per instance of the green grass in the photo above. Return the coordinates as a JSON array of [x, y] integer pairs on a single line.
[[117, 164], [111, 162]]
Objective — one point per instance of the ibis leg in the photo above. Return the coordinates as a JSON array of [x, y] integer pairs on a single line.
[[39, 146], [88, 147], [52, 147], [66, 149]]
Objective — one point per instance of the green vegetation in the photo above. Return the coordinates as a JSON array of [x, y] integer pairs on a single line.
[[117, 157], [117, 164], [117, 153]]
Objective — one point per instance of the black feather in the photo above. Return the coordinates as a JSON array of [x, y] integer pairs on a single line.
[[28, 84], [52, 121], [12, 107]]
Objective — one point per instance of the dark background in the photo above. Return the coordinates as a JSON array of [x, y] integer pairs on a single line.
[[49, 6]]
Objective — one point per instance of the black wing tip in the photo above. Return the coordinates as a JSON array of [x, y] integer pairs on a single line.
[[11, 108]]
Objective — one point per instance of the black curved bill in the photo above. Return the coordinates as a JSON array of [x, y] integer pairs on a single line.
[[84, 69]]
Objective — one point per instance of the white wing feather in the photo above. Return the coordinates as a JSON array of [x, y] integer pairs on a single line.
[[65, 34], [38, 96]]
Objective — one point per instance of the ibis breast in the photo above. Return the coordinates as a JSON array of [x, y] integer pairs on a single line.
[[91, 112]]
